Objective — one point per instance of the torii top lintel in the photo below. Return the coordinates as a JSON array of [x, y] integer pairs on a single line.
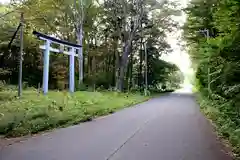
[[46, 37]]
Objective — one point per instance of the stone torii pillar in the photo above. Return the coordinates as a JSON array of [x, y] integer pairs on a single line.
[[71, 51]]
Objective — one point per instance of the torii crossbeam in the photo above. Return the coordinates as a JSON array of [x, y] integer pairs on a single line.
[[70, 50]]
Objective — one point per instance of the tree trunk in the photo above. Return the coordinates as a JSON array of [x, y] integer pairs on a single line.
[[130, 72], [114, 69], [94, 70], [89, 65], [126, 82], [89, 58], [140, 77], [79, 35], [117, 67], [123, 65]]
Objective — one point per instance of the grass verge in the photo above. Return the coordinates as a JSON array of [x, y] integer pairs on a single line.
[[224, 119], [32, 113]]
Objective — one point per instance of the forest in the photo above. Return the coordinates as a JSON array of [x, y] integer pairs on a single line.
[[117, 38], [212, 32], [123, 44]]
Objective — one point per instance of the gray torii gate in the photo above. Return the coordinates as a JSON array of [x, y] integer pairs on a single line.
[[71, 51]]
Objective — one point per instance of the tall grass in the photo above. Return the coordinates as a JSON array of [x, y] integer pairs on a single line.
[[34, 113], [226, 119]]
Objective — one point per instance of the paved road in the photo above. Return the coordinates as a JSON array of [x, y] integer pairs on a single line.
[[166, 128]]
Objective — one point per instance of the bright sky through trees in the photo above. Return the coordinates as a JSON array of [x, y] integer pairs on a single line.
[[179, 55], [4, 1]]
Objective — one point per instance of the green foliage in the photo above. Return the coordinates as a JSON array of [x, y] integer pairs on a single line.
[[33, 113], [107, 26], [82, 87], [221, 112], [220, 54], [2, 85]]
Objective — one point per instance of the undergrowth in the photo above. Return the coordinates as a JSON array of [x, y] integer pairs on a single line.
[[225, 117], [34, 113]]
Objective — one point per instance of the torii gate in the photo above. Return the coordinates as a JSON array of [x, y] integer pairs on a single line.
[[71, 51]]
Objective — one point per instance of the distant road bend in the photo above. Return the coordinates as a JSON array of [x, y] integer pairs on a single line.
[[167, 128]]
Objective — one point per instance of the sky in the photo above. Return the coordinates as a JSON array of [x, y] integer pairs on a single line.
[[4, 1], [179, 56]]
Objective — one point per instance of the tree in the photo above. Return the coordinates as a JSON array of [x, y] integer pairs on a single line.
[[220, 53], [114, 33]]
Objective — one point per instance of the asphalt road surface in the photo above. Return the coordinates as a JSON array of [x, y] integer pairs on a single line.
[[167, 128]]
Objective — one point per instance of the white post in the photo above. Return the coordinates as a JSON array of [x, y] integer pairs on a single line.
[[71, 70], [46, 66]]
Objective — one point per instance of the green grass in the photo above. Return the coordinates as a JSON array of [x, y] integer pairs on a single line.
[[225, 121], [33, 113]]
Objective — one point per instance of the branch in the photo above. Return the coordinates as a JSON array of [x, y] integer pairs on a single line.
[[51, 27], [14, 35], [2, 16]]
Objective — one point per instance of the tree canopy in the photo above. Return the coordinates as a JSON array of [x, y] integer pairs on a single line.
[[216, 58], [114, 34]]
